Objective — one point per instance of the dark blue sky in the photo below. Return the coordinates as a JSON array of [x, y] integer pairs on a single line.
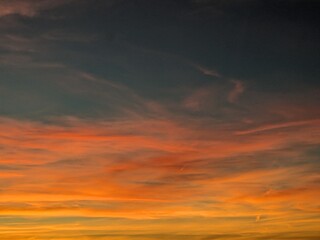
[[157, 47]]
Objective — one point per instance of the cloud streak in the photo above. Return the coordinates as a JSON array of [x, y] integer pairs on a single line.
[[28, 8]]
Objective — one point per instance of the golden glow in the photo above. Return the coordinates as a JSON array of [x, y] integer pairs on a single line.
[[153, 178]]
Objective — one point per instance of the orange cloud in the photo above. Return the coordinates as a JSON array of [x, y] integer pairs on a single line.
[[154, 169], [315, 122]]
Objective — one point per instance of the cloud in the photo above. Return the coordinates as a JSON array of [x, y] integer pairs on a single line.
[[199, 99], [237, 90], [270, 127], [206, 71], [28, 8]]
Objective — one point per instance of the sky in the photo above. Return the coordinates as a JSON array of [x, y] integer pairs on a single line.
[[159, 119]]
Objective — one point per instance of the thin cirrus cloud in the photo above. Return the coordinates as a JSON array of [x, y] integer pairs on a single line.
[[28, 8], [207, 71]]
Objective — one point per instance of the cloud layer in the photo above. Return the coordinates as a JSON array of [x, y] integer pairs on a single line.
[[129, 169]]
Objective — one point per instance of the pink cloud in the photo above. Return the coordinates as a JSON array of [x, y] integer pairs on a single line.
[[28, 8], [237, 90]]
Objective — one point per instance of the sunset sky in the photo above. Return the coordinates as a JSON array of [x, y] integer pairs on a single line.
[[159, 119]]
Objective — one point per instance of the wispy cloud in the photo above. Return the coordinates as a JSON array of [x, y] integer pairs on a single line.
[[207, 71], [200, 99], [284, 125], [28, 8], [237, 90]]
